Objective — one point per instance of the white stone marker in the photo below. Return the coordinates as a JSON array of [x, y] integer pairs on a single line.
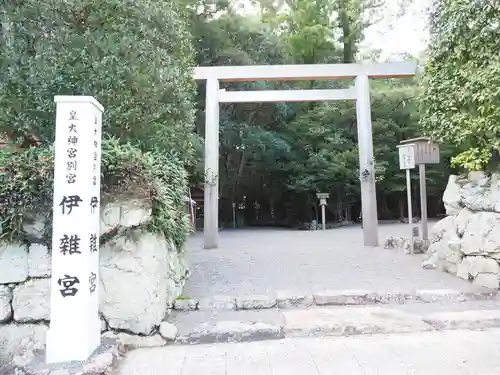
[[74, 331]]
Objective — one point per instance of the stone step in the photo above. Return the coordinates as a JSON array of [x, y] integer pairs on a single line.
[[203, 327], [331, 298]]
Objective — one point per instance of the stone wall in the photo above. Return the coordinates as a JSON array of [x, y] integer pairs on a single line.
[[467, 242], [141, 274]]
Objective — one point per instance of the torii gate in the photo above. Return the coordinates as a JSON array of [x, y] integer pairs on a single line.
[[359, 92]]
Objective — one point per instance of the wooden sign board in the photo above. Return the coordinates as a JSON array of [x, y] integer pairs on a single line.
[[425, 151]]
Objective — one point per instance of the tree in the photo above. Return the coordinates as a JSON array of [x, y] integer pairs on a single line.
[[462, 80], [135, 57]]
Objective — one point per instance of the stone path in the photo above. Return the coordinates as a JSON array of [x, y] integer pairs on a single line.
[[264, 261], [423, 353]]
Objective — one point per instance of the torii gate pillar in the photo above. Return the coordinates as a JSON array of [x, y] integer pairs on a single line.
[[361, 73]]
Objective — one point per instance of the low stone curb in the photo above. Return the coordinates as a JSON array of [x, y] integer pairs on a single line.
[[231, 331], [284, 300], [472, 319], [343, 322]]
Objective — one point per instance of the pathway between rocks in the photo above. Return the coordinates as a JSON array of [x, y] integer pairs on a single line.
[[265, 261]]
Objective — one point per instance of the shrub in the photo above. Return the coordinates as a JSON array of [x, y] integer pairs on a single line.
[[26, 186]]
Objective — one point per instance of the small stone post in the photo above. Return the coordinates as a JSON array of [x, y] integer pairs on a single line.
[[322, 201], [234, 214], [75, 331]]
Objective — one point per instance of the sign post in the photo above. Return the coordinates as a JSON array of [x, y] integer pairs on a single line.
[[74, 331], [425, 152], [322, 201], [407, 162]]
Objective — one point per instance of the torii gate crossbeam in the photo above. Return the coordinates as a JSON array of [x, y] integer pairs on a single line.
[[360, 92]]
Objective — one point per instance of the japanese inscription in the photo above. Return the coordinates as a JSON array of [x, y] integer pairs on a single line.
[[68, 288], [93, 243], [71, 164], [92, 284], [69, 202], [70, 244], [93, 204]]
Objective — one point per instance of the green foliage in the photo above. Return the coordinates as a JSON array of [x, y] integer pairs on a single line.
[[462, 81], [135, 57], [159, 176], [26, 186]]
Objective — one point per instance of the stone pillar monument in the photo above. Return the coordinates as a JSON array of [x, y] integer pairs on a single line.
[[322, 201]]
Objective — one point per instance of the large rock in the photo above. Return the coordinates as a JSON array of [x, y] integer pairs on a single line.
[[177, 273], [20, 339], [487, 280], [31, 301], [34, 227], [483, 265], [477, 191], [482, 270], [452, 197], [479, 194], [125, 213], [482, 235], [5, 307], [13, 263], [444, 230], [444, 251], [134, 273], [39, 261], [461, 221]]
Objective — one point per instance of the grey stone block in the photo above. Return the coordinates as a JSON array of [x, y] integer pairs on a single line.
[[480, 319], [231, 331], [439, 295], [344, 297], [217, 303], [185, 304], [290, 299], [255, 302]]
